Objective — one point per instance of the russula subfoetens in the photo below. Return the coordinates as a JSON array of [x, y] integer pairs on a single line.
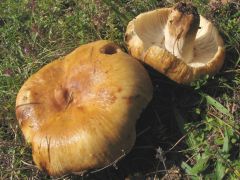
[[177, 41], [79, 112]]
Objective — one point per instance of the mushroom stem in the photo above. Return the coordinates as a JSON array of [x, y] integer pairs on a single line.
[[180, 31]]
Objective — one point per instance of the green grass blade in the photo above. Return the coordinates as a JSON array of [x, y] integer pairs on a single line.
[[216, 104], [220, 170], [122, 16], [226, 141]]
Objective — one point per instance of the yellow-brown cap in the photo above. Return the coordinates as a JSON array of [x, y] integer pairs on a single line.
[[79, 112]]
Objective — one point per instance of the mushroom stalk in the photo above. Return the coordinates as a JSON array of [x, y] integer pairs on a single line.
[[180, 31]]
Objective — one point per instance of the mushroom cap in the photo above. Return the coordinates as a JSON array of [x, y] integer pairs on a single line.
[[79, 112], [171, 42]]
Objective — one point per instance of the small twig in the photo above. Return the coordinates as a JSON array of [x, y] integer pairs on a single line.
[[163, 171], [225, 123], [61, 177], [221, 132], [28, 164], [143, 131], [158, 118], [111, 164], [190, 158], [183, 137]]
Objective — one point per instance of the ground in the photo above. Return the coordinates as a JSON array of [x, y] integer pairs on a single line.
[[187, 131]]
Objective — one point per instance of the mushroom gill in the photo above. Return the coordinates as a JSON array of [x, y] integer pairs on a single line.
[[169, 37]]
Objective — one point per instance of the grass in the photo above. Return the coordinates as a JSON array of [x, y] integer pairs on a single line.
[[187, 131]]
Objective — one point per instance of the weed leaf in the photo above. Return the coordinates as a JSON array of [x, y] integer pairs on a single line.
[[201, 165]]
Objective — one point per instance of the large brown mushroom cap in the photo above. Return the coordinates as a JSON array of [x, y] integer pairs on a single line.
[[177, 42], [79, 112]]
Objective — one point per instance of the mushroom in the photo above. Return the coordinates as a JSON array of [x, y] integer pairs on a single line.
[[177, 41], [79, 113]]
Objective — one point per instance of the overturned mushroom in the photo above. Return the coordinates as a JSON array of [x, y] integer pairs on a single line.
[[177, 42], [79, 112]]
